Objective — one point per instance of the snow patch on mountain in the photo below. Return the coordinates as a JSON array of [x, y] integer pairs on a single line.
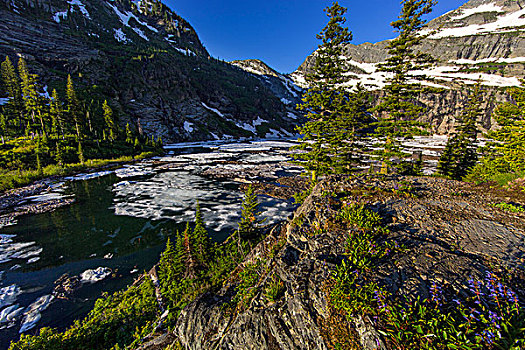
[[367, 67], [504, 23], [119, 35], [480, 9], [252, 127], [141, 34], [125, 17], [80, 6], [490, 60], [57, 17], [434, 75], [188, 127], [213, 110], [185, 51]]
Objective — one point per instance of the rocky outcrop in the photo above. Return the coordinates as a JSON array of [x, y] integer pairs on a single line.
[[449, 231], [442, 108]]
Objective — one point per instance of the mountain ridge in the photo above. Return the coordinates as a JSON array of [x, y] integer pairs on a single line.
[[147, 61]]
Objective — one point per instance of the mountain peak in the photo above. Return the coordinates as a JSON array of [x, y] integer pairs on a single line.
[[255, 66]]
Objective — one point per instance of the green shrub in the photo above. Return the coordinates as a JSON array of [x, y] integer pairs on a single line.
[[274, 290], [113, 320], [510, 207], [246, 289]]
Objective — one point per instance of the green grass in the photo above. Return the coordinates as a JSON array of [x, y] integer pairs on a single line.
[[444, 320], [505, 178], [10, 179], [509, 207]]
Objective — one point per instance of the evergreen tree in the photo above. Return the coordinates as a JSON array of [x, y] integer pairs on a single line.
[[73, 107], [180, 256], [201, 238], [249, 224], [166, 268], [129, 134], [459, 155], [397, 111], [3, 126], [507, 153], [38, 163], [56, 113], [329, 141], [14, 108], [80, 153], [30, 94], [191, 264], [59, 156], [110, 122]]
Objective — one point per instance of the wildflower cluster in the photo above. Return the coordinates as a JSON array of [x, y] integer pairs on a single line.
[[403, 188]]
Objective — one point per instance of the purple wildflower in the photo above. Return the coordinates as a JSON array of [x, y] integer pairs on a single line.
[[436, 293], [380, 298]]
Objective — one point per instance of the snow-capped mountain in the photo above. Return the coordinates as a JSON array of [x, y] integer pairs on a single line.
[[281, 85], [483, 39], [146, 60]]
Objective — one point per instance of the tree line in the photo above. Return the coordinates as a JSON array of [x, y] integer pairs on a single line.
[[58, 129]]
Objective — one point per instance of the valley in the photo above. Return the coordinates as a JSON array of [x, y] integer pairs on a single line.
[[153, 196]]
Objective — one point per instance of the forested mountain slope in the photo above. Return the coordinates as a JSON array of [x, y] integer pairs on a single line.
[[146, 60]]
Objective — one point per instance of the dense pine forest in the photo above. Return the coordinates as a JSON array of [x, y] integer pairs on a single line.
[[50, 133]]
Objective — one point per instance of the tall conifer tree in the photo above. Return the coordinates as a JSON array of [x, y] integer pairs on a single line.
[[73, 107], [56, 113], [460, 153], [201, 238], [249, 224], [335, 115], [15, 109], [29, 89], [110, 121], [398, 108], [507, 153], [167, 262], [180, 255]]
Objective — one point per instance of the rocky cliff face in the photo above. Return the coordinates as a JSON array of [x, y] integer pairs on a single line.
[[147, 61], [481, 39]]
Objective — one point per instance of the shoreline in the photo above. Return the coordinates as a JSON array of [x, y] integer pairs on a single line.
[[14, 202]]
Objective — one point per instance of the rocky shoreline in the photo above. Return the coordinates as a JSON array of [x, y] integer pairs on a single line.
[[16, 202]]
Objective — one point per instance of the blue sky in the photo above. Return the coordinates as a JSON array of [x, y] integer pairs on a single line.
[[282, 32]]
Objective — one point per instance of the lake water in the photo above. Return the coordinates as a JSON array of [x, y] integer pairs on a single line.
[[120, 221]]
